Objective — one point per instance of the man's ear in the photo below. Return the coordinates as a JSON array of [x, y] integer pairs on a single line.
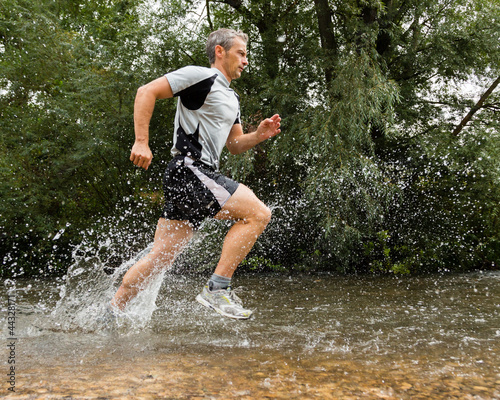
[[219, 51]]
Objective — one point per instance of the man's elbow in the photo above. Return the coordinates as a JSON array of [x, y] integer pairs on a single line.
[[141, 92]]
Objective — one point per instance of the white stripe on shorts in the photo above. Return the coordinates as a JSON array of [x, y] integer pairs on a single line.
[[219, 192]]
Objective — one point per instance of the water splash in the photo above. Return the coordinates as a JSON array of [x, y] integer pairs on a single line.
[[91, 282], [88, 289]]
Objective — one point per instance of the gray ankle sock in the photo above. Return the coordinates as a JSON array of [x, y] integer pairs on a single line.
[[218, 282]]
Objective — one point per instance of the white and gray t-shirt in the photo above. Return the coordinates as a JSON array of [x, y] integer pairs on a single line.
[[207, 109]]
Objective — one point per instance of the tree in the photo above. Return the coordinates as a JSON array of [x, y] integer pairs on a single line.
[[477, 107], [374, 127], [69, 72], [367, 174]]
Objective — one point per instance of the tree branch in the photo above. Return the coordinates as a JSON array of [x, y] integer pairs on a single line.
[[238, 6], [208, 15], [474, 109]]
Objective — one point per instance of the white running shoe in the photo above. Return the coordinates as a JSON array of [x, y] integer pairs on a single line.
[[225, 302]]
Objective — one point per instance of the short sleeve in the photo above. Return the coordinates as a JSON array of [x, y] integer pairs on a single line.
[[186, 77]]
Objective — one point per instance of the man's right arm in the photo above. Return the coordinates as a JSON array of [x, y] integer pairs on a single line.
[[144, 105]]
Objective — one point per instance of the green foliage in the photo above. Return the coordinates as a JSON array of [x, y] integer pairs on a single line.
[[365, 177], [370, 152], [261, 264], [66, 104]]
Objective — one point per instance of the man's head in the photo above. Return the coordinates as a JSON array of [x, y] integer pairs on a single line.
[[222, 37], [226, 50]]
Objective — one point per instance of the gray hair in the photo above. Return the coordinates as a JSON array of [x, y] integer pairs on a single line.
[[222, 37]]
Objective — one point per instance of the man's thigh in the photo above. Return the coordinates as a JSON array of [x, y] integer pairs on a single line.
[[241, 205]]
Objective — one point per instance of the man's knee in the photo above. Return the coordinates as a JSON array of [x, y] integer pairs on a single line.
[[262, 216], [267, 215]]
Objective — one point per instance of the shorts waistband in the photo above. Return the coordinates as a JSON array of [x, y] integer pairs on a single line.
[[196, 162]]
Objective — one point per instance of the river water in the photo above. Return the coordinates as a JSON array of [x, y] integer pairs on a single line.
[[311, 337]]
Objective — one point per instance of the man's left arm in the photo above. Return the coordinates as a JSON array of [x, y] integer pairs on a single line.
[[239, 142]]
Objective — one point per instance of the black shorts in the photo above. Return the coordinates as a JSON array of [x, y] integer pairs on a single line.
[[193, 191]]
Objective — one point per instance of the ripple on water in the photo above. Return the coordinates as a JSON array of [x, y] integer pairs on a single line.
[[315, 335]]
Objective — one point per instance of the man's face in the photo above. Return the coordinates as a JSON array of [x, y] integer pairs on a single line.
[[235, 59]]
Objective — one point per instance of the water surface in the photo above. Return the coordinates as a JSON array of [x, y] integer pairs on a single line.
[[311, 336]]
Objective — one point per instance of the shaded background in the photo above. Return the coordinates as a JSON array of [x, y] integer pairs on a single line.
[[375, 170]]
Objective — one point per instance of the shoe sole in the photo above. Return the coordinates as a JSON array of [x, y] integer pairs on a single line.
[[205, 303]]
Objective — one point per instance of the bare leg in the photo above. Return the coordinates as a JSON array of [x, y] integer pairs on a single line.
[[170, 239], [252, 217]]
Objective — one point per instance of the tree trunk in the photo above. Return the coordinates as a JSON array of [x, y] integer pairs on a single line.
[[266, 23], [327, 36], [476, 108]]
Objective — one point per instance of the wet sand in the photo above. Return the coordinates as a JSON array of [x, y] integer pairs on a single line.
[[240, 374]]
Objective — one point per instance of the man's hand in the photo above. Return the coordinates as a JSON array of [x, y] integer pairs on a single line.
[[141, 155], [269, 127], [238, 142]]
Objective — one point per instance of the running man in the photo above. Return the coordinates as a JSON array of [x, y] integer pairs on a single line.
[[207, 118]]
